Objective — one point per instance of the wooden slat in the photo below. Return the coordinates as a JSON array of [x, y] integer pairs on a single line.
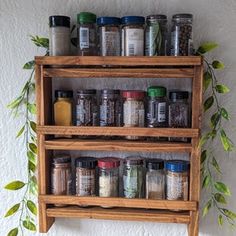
[[127, 214], [118, 131], [120, 61], [116, 145], [119, 202], [114, 73]]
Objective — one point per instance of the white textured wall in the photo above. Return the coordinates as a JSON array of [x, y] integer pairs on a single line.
[[214, 20]]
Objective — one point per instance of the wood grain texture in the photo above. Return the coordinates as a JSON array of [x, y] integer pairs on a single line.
[[45, 222], [126, 214], [119, 202]]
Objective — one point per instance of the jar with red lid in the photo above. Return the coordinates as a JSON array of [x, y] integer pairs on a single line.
[[108, 176], [133, 109]]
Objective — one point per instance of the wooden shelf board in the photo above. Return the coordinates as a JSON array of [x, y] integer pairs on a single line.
[[118, 131], [116, 145], [120, 214], [120, 61], [115, 73], [119, 202]]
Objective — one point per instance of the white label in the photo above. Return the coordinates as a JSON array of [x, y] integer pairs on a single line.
[[161, 112], [110, 43], [84, 37]]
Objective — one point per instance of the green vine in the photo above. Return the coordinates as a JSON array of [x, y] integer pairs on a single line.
[[24, 106], [215, 132]]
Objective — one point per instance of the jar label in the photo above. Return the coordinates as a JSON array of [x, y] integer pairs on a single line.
[[109, 186], [110, 43], [161, 112], [130, 186], [85, 184], [84, 37], [107, 114]]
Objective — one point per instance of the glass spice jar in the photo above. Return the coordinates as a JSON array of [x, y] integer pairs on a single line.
[[133, 110], [59, 36], [86, 108], [155, 179], [156, 35], [179, 112], [109, 36], [177, 175], [133, 177], [132, 36], [109, 176], [86, 34], [86, 176], [182, 35]]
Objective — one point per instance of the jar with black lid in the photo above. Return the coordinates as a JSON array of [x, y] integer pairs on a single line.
[[156, 35], [182, 35]]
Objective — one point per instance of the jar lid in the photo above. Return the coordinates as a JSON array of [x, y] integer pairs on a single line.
[[156, 17], [61, 159], [55, 21], [137, 94], [132, 20], [174, 95], [155, 164], [133, 160], [182, 16], [156, 91], [87, 91], [109, 162], [86, 17], [177, 165], [109, 91], [63, 93], [86, 162], [108, 20]]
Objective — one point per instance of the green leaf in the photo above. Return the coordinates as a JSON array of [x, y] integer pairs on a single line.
[[222, 188], [29, 225], [218, 65], [215, 119], [33, 148], [33, 126], [204, 138], [203, 156], [29, 65], [31, 157], [207, 80], [32, 108], [15, 185], [31, 166], [207, 47], [33, 186], [224, 113], [229, 214], [220, 220], [208, 103], [226, 142], [13, 232], [20, 132], [216, 165], [207, 207], [220, 198], [40, 42], [221, 88], [206, 181], [15, 103], [32, 207], [12, 210]]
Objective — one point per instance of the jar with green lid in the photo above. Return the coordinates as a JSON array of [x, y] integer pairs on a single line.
[[156, 35], [86, 34]]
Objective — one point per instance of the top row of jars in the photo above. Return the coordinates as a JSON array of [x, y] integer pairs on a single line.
[[126, 36]]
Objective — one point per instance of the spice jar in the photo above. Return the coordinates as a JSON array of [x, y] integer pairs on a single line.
[[157, 107], [109, 36], [182, 35], [86, 34], [110, 108], [155, 179], [109, 177], [86, 108], [132, 35], [133, 110], [86, 176], [133, 177], [177, 174], [61, 177], [156, 35], [179, 112], [59, 36]]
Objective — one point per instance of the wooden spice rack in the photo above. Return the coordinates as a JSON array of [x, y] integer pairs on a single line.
[[48, 68]]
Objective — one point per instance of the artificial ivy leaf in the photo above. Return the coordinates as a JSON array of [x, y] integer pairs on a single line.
[[13, 232], [29, 225], [33, 186], [15, 103], [12, 210], [31, 108], [221, 88], [32, 207], [206, 181], [29, 65], [33, 148], [220, 198], [216, 165], [207, 47], [15, 185], [207, 207], [33, 126], [203, 156], [31, 166], [20, 132], [215, 119], [222, 188], [31, 157], [203, 139], [229, 214], [218, 65], [40, 42], [207, 80], [220, 220], [227, 144], [224, 113], [208, 103]]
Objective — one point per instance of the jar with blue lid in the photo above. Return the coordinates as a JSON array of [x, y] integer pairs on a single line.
[[132, 36], [177, 180], [109, 36]]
